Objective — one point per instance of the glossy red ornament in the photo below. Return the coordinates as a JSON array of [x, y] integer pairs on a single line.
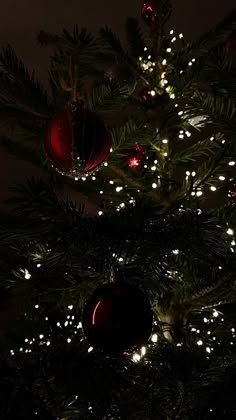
[[134, 157], [76, 142], [148, 14], [117, 318], [231, 42], [232, 195]]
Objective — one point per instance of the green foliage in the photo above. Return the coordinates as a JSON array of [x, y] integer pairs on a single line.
[[134, 37], [154, 232], [19, 90], [211, 38]]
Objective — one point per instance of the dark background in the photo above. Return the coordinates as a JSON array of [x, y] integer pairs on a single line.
[[21, 20]]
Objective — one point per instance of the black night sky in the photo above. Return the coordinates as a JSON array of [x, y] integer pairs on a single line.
[[21, 20]]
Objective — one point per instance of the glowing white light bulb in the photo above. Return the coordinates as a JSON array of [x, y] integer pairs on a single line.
[[212, 188], [165, 141], [199, 193], [164, 62], [199, 342], [143, 351], [154, 185], [154, 338], [175, 251], [231, 163], [136, 357], [230, 231], [100, 213], [118, 189], [221, 178], [27, 274]]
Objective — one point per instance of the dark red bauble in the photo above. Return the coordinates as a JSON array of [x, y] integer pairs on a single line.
[[231, 42], [232, 195], [148, 13], [117, 318], [134, 157], [76, 142]]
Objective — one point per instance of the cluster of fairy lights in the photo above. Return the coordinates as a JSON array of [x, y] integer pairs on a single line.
[[71, 327], [148, 65]]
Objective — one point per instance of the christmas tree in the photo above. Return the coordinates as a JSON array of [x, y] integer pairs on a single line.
[[123, 309]]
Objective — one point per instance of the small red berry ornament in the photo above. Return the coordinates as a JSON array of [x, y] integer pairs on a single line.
[[134, 157], [76, 142], [146, 95], [117, 318], [148, 14]]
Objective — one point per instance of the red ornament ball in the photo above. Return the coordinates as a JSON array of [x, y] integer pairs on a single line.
[[231, 42], [148, 13], [117, 318], [76, 142], [232, 195]]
